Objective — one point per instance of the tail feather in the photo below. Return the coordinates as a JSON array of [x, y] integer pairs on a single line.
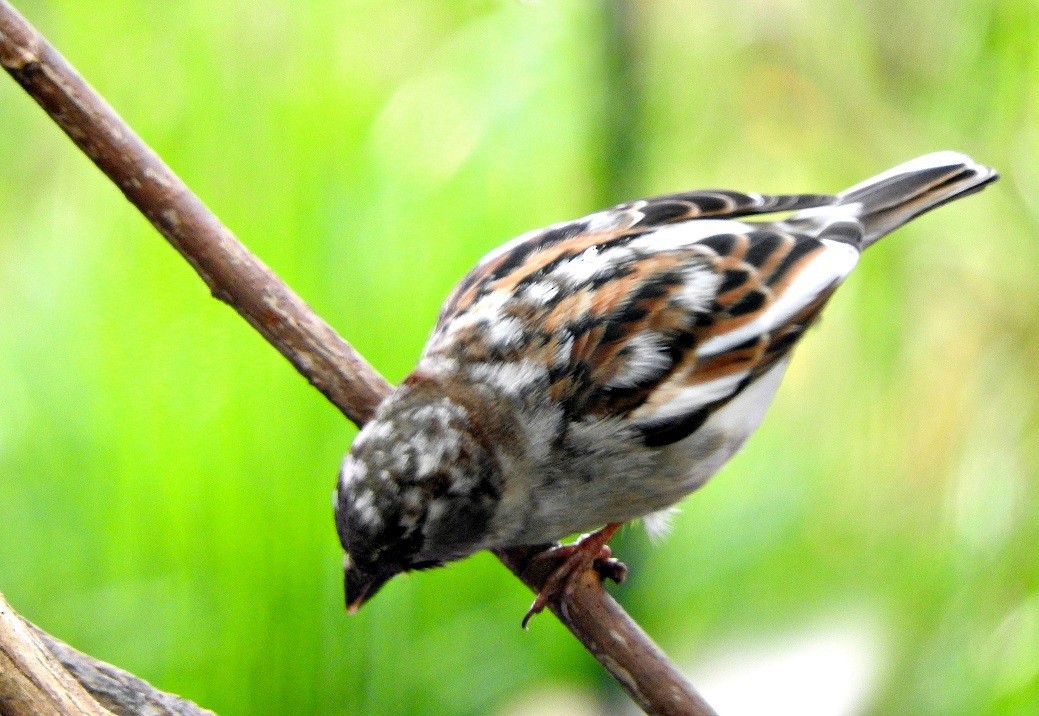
[[887, 201]]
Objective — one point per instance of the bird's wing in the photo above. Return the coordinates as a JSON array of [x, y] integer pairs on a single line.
[[540, 250], [659, 310], [769, 286]]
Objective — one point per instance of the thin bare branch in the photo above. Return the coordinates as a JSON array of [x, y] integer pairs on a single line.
[[613, 638], [233, 274], [237, 277]]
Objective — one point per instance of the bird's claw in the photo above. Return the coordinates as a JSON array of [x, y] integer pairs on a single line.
[[588, 552], [611, 568]]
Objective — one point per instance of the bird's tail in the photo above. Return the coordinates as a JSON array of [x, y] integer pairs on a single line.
[[889, 200]]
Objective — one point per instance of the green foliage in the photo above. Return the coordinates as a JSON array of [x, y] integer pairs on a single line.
[[164, 474]]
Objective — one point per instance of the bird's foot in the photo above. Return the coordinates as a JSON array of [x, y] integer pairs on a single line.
[[588, 552]]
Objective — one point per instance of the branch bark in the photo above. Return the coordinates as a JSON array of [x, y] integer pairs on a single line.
[[42, 676], [232, 273], [237, 277], [32, 681]]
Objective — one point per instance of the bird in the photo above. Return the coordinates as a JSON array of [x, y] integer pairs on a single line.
[[597, 371]]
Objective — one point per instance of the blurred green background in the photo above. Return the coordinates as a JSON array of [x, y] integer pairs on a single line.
[[165, 475]]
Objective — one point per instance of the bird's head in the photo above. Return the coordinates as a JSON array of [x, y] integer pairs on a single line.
[[417, 489]]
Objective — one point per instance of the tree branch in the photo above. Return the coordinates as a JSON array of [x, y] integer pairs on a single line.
[[233, 274], [40, 675], [237, 277], [614, 638], [32, 681]]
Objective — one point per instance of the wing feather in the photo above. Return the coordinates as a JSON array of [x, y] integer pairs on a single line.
[[661, 310], [618, 224]]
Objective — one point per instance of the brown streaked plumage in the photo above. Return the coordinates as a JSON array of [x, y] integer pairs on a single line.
[[599, 370]]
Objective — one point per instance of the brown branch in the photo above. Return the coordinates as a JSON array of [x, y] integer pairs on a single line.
[[233, 274], [613, 637], [32, 681], [237, 277], [42, 675], [119, 691]]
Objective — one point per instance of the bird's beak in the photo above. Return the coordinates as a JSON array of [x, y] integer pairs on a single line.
[[362, 582]]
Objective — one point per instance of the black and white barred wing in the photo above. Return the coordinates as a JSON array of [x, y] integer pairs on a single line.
[[657, 310], [769, 286], [531, 258]]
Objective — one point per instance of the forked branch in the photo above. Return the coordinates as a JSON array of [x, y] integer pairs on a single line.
[[237, 277]]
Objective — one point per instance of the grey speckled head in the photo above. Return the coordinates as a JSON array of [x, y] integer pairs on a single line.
[[417, 489]]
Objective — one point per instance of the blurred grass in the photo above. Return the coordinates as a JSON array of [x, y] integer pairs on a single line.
[[164, 475]]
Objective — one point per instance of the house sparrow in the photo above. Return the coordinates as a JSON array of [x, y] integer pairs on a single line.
[[598, 370]]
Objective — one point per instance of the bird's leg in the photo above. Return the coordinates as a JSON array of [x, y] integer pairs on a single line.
[[589, 551]]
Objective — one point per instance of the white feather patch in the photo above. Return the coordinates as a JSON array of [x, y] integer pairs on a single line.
[[564, 350], [504, 333], [540, 292], [699, 287], [581, 268], [487, 309], [646, 359], [685, 233], [438, 366], [691, 399], [658, 524], [742, 415], [612, 219], [511, 378], [377, 430], [364, 507]]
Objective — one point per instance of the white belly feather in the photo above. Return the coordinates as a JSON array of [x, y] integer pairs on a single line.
[[699, 456]]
